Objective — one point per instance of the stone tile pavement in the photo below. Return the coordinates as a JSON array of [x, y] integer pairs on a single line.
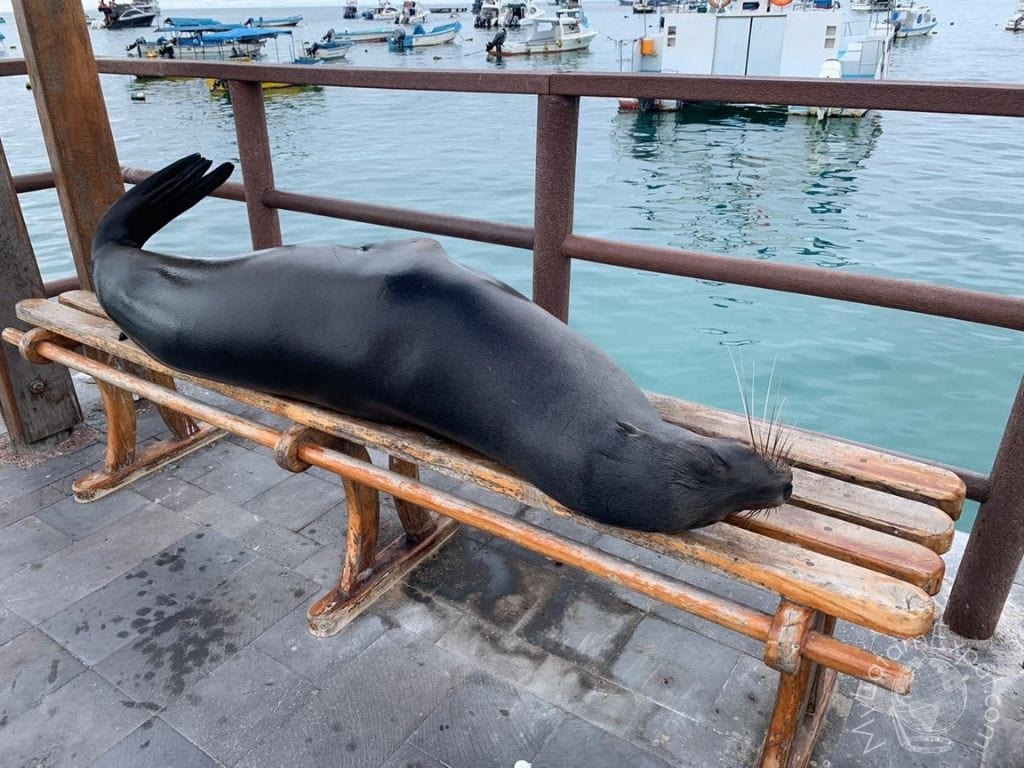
[[164, 625]]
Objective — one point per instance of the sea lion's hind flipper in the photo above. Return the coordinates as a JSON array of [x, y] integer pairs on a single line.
[[149, 206]]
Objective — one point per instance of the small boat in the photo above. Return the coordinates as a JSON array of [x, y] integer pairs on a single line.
[[384, 12], [909, 20], [445, 6], [351, 10], [549, 36], [419, 37], [487, 15], [642, 6], [124, 15], [207, 43], [328, 48], [281, 21], [372, 35], [189, 22], [870, 6], [412, 13], [1016, 22]]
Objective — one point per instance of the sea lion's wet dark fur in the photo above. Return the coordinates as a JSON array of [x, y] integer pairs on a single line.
[[400, 333]]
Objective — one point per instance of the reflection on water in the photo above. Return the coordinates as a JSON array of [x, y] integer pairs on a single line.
[[714, 177]]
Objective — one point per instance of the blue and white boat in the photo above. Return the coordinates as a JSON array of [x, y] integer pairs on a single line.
[[191, 22], [371, 35], [910, 20], [328, 48], [280, 21], [403, 41], [207, 43]]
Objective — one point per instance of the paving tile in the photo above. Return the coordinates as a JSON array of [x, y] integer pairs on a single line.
[[11, 624], [417, 612], [290, 642], [28, 541], [86, 565], [684, 743], [495, 586], [30, 503], [31, 666], [72, 726], [409, 756], [1010, 691], [109, 618], [589, 697], [154, 744], [296, 501], [240, 478], [79, 520], [1005, 745], [174, 653], [265, 538], [329, 529], [18, 481], [239, 706], [487, 723], [367, 709], [324, 566], [192, 565], [493, 649], [582, 625], [674, 667], [169, 490], [744, 706], [577, 742], [205, 460]]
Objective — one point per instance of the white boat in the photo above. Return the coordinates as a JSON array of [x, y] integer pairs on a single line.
[[384, 12], [870, 6], [371, 35], [328, 47], [550, 35], [910, 20], [488, 14], [642, 6], [413, 13], [419, 37], [758, 40], [1016, 22], [449, 8]]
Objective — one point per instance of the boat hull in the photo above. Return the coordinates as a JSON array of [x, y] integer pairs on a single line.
[[580, 43]]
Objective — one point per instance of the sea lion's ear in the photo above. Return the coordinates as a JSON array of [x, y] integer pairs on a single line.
[[628, 429]]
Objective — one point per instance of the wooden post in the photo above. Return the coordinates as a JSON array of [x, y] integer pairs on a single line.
[[257, 167], [555, 191], [73, 116], [996, 546], [36, 401]]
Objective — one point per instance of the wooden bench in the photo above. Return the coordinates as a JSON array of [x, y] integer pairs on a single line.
[[860, 541]]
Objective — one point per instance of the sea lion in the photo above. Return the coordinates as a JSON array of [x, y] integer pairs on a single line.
[[400, 333]]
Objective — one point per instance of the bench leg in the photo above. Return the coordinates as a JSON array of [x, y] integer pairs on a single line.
[[800, 706], [417, 521], [367, 572], [123, 464]]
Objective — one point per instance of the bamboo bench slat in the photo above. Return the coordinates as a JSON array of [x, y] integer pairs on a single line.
[[845, 590], [907, 519], [828, 456]]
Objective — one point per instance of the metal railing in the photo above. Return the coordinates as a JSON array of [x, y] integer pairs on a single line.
[[997, 541]]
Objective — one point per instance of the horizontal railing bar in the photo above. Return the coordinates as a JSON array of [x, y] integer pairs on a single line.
[[456, 80], [33, 182], [943, 301], [901, 95], [12, 67], [480, 230], [229, 190], [56, 287]]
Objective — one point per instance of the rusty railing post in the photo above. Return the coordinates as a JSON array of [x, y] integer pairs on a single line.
[[73, 116], [554, 198], [36, 401], [996, 545], [257, 165]]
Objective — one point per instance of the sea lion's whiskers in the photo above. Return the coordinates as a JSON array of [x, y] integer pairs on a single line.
[[743, 397]]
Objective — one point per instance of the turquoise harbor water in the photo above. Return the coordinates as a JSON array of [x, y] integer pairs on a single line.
[[924, 197]]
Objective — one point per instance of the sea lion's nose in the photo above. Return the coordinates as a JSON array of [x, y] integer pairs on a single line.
[[787, 491]]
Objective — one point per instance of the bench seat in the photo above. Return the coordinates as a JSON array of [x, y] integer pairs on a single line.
[[861, 539]]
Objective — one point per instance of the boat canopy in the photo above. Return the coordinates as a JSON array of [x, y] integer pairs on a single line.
[[243, 34]]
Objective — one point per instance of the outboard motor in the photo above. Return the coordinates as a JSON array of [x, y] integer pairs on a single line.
[[497, 42]]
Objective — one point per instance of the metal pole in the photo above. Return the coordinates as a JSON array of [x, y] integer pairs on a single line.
[[557, 129], [996, 545], [257, 165]]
